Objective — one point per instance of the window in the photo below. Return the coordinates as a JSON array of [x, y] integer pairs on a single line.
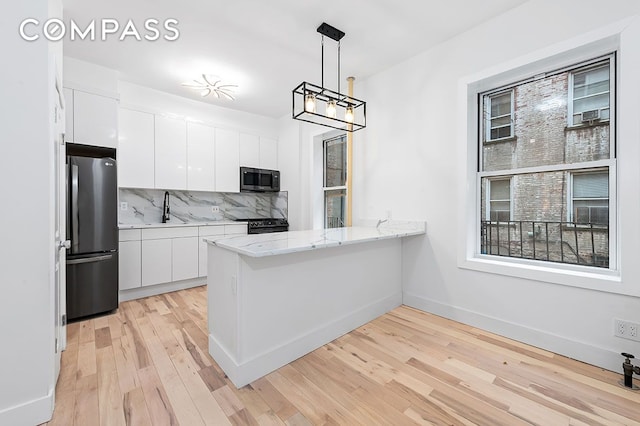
[[546, 197], [590, 198], [498, 113], [590, 95], [335, 178], [499, 200]]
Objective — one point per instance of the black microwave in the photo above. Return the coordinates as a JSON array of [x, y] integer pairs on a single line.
[[259, 180]]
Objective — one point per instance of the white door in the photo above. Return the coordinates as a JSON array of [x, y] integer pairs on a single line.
[[60, 283]]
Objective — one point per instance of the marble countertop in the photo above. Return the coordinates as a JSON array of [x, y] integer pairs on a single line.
[[176, 225], [261, 245]]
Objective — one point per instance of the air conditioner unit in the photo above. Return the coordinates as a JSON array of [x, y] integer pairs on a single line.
[[591, 115]]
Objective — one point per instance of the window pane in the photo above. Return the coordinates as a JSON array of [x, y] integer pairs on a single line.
[[501, 104], [537, 130], [591, 185], [335, 204], [590, 103], [335, 161], [500, 189]]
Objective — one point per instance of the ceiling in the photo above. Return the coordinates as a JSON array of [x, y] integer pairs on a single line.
[[267, 47]]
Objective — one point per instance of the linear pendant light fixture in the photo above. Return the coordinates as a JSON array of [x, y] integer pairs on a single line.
[[319, 105]]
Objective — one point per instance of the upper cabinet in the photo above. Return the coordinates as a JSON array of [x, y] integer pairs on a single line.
[[95, 120], [200, 157], [135, 149], [170, 153], [268, 153], [249, 150], [227, 161]]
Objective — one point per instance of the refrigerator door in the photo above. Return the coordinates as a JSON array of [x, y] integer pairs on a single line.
[[92, 284], [93, 197]]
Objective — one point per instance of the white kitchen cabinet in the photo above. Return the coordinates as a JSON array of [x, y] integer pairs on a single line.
[[156, 261], [206, 232], [95, 119], [184, 259], [249, 150], [268, 153], [129, 259], [135, 149], [170, 153], [68, 114], [227, 160], [130, 264], [200, 157]]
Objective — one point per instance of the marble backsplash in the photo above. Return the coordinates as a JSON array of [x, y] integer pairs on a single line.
[[145, 206]]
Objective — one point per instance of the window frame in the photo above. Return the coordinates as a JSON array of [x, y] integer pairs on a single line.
[[571, 198], [610, 164], [590, 66], [342, 137], [489, 200], [487, 119]]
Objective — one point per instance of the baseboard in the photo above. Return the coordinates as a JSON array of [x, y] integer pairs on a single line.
[[154, 290], [246, 372], [581, 351], [30, 413]]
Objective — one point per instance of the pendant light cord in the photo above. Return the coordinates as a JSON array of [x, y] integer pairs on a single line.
[[338, 66], [322, 62]]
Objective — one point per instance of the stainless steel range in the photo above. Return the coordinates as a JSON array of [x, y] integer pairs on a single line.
[[263, 226]]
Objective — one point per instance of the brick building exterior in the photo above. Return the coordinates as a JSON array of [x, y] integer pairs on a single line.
[[542, 218]]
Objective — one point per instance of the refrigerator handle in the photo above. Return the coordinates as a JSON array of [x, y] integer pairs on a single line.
[[89, 259], [74, 208]]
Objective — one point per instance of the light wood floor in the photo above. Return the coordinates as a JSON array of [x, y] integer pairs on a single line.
[[148, 364]]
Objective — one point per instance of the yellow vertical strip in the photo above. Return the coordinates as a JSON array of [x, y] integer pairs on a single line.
[[350, 162]]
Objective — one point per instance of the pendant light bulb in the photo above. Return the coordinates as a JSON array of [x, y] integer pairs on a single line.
[[331, 109], [310, 103], [348, 114]]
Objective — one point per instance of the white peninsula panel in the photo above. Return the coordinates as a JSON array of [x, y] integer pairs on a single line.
[[275, 297]]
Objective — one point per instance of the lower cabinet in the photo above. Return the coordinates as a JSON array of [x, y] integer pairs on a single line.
[[156, 261], [162, 255], [130, 259], [184, 258]]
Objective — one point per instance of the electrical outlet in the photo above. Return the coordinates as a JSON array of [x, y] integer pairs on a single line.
[[124, 206], [215, 209], [626, 329]]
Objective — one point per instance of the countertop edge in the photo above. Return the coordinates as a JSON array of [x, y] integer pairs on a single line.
[[221, 242]]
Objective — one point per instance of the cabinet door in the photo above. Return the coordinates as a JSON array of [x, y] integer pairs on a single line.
[[156, 261], [68, 114], [206, 232], [249, 150], [268, 153], [130, 264], [170, 153], [227, 161], [184, 258], [95, 120], [200, 157], [135, 149]]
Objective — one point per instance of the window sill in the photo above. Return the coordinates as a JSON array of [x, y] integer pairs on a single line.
[[579, 227], [509, 139], [585, 277], [600, 123]]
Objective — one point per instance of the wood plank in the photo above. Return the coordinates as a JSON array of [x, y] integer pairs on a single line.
[[86, 410], [103, 337], [157, 401], [109, 395], [135, 408]]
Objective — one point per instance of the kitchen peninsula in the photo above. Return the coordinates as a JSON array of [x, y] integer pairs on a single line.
[[276, 297]]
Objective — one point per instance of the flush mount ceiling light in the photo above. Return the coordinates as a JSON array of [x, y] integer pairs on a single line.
[[212, 85], [319, 105]]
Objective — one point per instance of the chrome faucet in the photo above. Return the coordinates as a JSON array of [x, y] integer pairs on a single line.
[[165, 208], [380, 222]]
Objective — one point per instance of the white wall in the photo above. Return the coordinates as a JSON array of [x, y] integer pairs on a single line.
[[411, 159], [26, 252]]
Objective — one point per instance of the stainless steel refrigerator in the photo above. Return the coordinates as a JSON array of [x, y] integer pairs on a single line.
[[92, 228]]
